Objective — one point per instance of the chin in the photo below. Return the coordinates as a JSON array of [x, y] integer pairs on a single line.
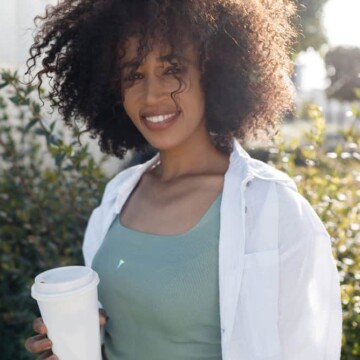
[[163, 144]]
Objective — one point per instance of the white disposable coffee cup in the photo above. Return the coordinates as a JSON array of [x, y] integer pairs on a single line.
[[67, 299]]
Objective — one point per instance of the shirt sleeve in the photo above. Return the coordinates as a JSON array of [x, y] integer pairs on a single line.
[[93, 233], [91, 237], [310, 318], [90, 243]]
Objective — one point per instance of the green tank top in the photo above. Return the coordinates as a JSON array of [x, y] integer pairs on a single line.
[[161, 293]]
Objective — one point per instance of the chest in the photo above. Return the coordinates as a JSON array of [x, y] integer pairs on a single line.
[[150, 274], [161, 291], [172, 209]]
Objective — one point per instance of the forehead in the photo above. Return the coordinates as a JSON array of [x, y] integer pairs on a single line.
[[161, 49]]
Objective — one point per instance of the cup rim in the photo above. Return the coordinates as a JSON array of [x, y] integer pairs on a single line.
[[48, 291]]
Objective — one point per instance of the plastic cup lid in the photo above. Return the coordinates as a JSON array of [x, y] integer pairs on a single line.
[[63, 281]]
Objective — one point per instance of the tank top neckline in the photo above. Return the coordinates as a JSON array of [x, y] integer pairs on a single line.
[[186, 233]]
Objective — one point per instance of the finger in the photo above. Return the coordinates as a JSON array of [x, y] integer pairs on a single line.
[[102, 317], [38, 343], [48, 356], [39, 326]]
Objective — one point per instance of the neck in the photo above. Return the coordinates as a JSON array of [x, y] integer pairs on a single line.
[[194, 158]]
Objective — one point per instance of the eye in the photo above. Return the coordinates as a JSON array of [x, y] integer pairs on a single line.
[[133, 77], [174, 70]]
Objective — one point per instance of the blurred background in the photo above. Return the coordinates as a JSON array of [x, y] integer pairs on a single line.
[[49, 184], [327, 57]]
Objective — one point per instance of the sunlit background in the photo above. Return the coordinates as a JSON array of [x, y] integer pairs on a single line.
[[340, 21], [342, 27]]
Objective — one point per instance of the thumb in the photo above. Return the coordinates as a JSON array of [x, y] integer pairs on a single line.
[[102, 317]]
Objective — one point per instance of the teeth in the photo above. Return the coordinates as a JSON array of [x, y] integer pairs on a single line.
[[160, 118]]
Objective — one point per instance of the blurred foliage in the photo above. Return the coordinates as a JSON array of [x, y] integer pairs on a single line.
[[343, 69], [330, 180], [309, 21], [45, 205]]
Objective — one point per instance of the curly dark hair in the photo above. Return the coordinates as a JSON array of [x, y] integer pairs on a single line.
[[244, 49]]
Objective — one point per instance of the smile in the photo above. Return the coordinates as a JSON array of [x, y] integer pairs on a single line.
[[159, 118], [160, 122]]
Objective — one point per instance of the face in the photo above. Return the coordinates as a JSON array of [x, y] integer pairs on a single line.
[[146, 93]]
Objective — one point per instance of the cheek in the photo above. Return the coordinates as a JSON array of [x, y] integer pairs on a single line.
[[129, 105]]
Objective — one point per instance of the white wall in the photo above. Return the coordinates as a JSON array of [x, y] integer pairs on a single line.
[[16, 29]]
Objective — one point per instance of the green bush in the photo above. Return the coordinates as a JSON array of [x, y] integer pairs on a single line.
[[44, 207], [330, 180], [45, 204]]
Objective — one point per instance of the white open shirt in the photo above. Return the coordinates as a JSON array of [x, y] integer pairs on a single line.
[[278, 283]]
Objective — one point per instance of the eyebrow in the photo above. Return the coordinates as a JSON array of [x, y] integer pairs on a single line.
[[163, 58]]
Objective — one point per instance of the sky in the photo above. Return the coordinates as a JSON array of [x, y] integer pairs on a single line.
[[341, 20]]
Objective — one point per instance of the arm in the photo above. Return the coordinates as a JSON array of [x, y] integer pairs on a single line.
[[309, 294]]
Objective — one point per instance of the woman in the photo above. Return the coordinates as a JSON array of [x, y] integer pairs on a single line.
[[202, 252]]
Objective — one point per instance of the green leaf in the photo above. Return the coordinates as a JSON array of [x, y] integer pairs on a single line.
[[30, 124], [19, 100], [36, 108], [53, 140], [15, 99], [59, 158], [68, 168], [357, 92], [41, 131]]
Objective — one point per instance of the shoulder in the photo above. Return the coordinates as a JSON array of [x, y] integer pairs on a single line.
[[124, 176], [274, 204], [276, 191], [268, 186], [298, 220], [268, 173]]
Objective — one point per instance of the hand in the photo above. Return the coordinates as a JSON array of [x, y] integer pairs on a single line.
[[41, 343]]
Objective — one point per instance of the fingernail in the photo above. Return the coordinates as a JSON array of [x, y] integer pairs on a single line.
[[46, 342]]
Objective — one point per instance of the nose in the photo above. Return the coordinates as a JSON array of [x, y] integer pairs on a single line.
[[155, 89]]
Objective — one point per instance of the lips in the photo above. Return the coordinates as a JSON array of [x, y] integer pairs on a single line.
[[159, 121]]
